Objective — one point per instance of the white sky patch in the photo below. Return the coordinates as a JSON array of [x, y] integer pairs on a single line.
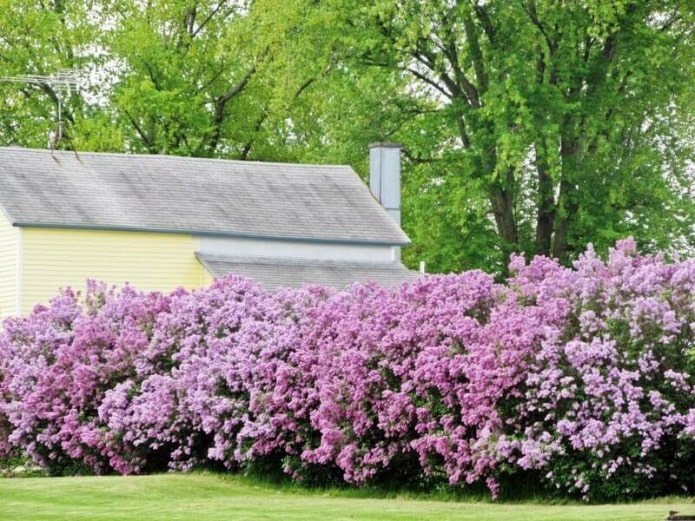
[[97, 82]]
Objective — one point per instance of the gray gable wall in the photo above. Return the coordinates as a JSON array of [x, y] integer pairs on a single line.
[[204, 196]]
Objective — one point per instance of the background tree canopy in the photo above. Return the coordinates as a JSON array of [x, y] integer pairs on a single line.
[[528, 125]]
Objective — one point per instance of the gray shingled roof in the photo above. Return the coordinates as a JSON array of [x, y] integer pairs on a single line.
[[209, 196], [273, 272]]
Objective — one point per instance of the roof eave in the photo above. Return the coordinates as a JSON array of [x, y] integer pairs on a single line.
[[209, 233]]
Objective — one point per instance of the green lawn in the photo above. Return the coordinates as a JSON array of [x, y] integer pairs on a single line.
[[203, 497]]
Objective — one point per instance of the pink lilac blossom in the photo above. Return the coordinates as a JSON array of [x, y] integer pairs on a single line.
[[583, 374]]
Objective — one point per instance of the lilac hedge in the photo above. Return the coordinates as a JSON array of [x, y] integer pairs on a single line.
[[580, 378]]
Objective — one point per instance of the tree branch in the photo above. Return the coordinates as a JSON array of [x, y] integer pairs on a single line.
[[147, 139], [151, 74], [464, 83], [485, 22], [189, 21], [532, 13], [430, 82], [257, 127], [425, 57], [476, 53], [236, 89], [210, 16]]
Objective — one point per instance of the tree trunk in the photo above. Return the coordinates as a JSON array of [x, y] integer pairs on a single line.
[[562, 223], [502, 200], [546, 203], [571, 156]]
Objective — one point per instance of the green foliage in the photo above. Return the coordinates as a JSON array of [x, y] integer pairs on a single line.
[[532, 125], [561, 115]]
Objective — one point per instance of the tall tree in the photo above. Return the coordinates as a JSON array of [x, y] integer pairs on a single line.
[[189, 77], [528, 125], [41, 38], [564, 115], [197, 77]]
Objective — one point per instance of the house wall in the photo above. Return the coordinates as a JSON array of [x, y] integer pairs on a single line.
[[295, 249], [53, 258], [9, 240], [207, 277]]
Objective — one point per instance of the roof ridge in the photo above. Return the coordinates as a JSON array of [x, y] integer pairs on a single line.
[[173, 157]]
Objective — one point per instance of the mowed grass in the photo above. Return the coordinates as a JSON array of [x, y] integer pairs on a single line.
[[218, 497]]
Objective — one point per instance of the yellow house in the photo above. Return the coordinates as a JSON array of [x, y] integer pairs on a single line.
[[160, 222]]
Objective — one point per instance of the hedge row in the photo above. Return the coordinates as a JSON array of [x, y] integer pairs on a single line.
[[582, 377]]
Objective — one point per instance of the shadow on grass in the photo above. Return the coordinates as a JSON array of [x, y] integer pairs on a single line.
[[329, 482]]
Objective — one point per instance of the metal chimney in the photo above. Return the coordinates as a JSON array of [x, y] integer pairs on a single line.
[[385, 177]]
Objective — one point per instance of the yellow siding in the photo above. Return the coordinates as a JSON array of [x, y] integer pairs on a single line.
[[8, 268], [207, 278], [53, 258]]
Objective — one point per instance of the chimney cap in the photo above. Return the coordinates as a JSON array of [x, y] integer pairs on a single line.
[[385, 144]]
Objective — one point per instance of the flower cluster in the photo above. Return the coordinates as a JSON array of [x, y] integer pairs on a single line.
[[609, 396], [582, 376]]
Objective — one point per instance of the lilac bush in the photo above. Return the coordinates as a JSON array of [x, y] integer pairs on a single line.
[[203, 369], [60, 361], [609, 395], [407, 375], [194, 386], [582, 376], [282, 394]]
